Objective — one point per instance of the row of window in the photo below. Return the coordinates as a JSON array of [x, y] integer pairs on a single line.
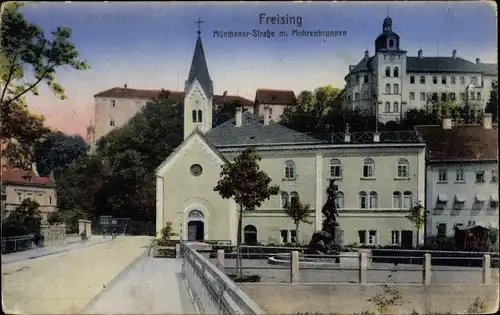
[[196, 116], [388, 89], [444, 80], [460, 175], [366, 200], [391, 109], [368, 168], [38, 197], [459, 204]]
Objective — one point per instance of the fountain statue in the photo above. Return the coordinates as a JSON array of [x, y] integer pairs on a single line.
[[329, 239]]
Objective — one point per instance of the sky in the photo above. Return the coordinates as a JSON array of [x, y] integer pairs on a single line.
[[149, 45]]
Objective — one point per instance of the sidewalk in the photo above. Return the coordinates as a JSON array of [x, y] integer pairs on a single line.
[[150, 286], [71, 244]]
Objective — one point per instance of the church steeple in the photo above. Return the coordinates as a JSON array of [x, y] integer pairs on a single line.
[[199, 68]]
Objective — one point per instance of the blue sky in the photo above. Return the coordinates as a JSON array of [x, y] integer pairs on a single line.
[[149, 45]]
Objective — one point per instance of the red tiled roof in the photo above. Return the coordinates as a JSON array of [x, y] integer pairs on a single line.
[[275, 97], [25, 178], [461, 142], [117, 92]]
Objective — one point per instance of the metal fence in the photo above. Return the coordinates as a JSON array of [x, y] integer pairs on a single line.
[[213, 291], [363, 267], [17, 243]]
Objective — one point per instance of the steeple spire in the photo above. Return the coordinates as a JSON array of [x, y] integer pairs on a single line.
[[199, 68]]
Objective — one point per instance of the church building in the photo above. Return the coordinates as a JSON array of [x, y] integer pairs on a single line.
[[380, 176]]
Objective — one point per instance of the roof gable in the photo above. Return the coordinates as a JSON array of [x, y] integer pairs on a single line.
[[254, 132], [195, 139], [275, 97]]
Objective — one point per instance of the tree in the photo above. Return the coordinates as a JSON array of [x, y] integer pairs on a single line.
[[25, 219], [311, 109], [247, 185], [223, 113], [298, 212], [25, 49], [166, 234], [58, 150], [492, 106], [54, 217], [417, 218]]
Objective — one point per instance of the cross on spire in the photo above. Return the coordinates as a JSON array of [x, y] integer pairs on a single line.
[[199, 22]]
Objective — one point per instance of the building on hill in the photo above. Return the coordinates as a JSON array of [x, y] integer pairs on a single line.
[[370, 169], [390, 82], [18, 185], [462, 175]]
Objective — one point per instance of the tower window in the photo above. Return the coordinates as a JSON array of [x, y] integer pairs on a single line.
[[111, 122], [391, 43], [387, 72], [366, 79], [396, 72], [194, 116], [113, 103], [200, 116]]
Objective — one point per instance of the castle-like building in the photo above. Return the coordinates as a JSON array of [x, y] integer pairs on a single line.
[[391, 82]]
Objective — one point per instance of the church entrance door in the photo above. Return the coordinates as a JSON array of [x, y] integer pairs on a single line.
[[196, 226]]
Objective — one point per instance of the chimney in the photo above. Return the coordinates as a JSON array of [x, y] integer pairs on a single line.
[[239, 116], [420, 53], [487, 120], [478, 61], [366, 54], [454, 54], [376, 137], [447, 123], [266, 115], [33, 168]]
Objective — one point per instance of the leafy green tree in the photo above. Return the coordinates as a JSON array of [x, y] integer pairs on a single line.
[[25, 219], [298, 212], [417, 218], [223, 113], [55, 217], [58, 150], [492, 106], [25, 49], [167, 232], [311, 109], [247, 185]]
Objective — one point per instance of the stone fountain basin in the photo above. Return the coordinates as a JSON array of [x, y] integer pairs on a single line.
[[346, 259]]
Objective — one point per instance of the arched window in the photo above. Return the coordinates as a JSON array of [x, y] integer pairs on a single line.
[[396, 88], [388, 88], [195, 214], [111, 121], [335, 168], [403, 166], [407, 200], [396, 72], [387, 108], [250, 235], [284, 199], [387, 72], [200, 116], [289, 169], [294, 197], [194, 115], [373, 200], [363, 202], [368, 168], [396, 107], [339, 202], [397, 202]]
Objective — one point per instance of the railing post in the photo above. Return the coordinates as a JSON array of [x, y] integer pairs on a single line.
[[220, 260], [294, 267], [427, 269], [363, 262], [486, 269], [178, 250]]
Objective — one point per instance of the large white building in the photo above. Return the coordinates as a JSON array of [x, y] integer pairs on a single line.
[[462, 175], [391, 82], [380, 176]]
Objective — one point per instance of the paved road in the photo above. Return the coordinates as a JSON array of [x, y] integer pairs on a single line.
[[70, 244], [65, 283], [151, 286], [376, 273]]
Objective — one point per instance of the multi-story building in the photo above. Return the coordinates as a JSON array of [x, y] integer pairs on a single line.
[[390, 82], [380, 178], [462, 175], [276, 100], [18, 185]]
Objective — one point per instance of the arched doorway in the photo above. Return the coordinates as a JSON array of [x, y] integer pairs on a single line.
[[196, 226], [250, 235]]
